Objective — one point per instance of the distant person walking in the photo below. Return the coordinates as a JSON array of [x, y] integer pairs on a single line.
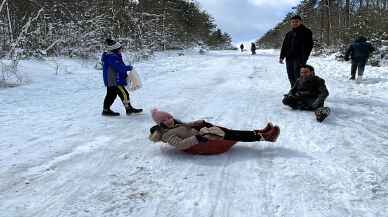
[[296, 48], [242, 47], [359, 52], [253, 48]]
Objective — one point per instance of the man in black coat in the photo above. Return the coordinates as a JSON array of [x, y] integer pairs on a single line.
[[308, 93], [242, 47], [359, 52], [296, 48], [253, 48]]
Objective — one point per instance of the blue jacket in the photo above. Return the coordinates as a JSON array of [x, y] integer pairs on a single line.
[[114, 69], [359, 50]]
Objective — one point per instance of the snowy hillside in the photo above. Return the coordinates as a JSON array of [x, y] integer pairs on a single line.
[[60, 157]]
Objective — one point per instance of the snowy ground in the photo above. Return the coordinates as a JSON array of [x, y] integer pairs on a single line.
[[59, 157]]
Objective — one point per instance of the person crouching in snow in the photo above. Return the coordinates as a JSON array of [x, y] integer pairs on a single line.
[[309, 92], [201, 137], [115, 79]]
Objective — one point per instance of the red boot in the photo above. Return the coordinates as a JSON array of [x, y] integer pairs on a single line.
[[265, 129], [270, 136]]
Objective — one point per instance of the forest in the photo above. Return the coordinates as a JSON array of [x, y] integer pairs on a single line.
[[79, 28], [335, 23]]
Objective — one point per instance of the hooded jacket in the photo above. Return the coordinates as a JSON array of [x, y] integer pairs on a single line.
[[297, 44], [114, 69], [359, 50]]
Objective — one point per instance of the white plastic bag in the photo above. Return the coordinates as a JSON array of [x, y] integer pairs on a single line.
[[133, 80]]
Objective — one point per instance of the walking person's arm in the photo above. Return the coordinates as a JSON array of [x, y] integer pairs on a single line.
[[309, 45], [283, 51], [348, 52], [119, 66]]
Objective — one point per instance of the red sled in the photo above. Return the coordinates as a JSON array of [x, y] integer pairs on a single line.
[[212, 147]]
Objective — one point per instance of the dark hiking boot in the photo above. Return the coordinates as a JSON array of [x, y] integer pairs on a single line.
[[352, 78], [270, 136], [132, 110], [265, 129], [110, 113], [322, 113]]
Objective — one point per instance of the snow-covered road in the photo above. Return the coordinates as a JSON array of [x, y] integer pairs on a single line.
[[60, 157]]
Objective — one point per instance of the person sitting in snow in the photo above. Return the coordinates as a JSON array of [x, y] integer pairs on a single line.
[[115, 79], [195, 137], [359, 52], [308, 93]]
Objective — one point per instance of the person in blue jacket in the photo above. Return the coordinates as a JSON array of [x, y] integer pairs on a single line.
[[359, 52], [115, 79]]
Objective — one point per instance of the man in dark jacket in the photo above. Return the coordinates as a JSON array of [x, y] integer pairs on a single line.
[[359, 52], [296, 48], [253, 48], [242, 47], [115, 79], [309, 92]]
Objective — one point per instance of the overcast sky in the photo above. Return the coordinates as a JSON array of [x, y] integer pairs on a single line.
[[247, 20]]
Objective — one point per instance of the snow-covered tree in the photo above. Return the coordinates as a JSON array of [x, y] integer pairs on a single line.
[[81, 27]]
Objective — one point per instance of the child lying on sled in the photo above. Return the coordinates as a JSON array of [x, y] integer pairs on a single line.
[[201, 137]]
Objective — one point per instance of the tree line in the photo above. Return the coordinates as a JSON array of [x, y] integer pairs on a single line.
[[56, 27], [335, 23]]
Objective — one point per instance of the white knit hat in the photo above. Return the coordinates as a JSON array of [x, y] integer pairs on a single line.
[[112, 45]]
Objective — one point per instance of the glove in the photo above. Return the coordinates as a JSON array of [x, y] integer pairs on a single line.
[[201, 139]]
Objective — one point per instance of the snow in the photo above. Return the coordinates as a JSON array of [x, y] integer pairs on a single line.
[[60, 157]]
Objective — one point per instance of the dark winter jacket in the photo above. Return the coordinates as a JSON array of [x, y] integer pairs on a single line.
[[253, 47], [114, 69], [297, 44], [312, 90], [359, 50]]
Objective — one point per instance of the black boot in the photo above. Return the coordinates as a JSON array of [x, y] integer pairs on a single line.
[[108, 112], [131, 110]]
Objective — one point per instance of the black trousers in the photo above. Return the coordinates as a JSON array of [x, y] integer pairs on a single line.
[[358, 65], [111, 95], [300, 103], [241, 136], [293, 69]]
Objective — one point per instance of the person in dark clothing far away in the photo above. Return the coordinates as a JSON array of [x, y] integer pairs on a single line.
[[253, 48], [115, 79], [309, 92], [296, 48], [359, 52], [242, 47]]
